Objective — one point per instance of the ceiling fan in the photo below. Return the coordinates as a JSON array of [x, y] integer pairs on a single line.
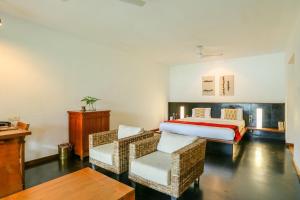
[[135, 2], [209, 51]]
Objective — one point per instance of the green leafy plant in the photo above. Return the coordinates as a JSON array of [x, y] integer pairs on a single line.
[[90, 101]]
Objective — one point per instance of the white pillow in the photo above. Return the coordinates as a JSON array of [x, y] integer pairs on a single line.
[[222, 113], [171, 142], [207, 112], [239, 115], [127, 131]]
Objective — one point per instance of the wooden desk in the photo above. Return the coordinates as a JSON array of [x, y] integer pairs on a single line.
[[83, 184], [12, 161]]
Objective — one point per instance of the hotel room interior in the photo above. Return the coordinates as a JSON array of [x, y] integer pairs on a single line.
[[149, 99]]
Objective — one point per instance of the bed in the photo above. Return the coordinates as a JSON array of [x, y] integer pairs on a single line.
[[214, 129], [223, 134]]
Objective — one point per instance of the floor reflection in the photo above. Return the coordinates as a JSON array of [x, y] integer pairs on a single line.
[[263, 170]]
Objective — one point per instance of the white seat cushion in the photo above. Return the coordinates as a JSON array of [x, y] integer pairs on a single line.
[[171, 142], [155, 167], [103, 153], [127, 131]]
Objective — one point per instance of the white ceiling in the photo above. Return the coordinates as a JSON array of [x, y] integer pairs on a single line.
[[168, 30]]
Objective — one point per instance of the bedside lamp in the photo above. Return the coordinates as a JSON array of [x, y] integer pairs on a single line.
[[182, 113], [259, 120]]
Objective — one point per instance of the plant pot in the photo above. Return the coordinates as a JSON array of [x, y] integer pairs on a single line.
[[92, 107]]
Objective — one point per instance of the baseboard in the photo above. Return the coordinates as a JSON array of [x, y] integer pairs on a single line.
[[290, 146], [40, 161], [297, 168]]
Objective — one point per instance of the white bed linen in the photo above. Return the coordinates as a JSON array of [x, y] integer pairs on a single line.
[[204, 131]]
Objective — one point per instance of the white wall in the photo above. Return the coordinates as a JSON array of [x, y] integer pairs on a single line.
[[293, 94], [44, 73], [257, 79]]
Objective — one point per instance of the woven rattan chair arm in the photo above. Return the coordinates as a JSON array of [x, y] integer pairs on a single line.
[[121, 147], [187, 166], [143, 147], [187, 157], [101, 138]]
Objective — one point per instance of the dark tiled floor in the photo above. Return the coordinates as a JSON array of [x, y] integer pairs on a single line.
[[263, 171]]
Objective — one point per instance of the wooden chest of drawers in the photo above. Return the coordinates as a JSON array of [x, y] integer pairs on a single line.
[[81, 124]]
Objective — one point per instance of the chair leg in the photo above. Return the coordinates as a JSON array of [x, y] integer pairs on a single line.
[[197, 182], [93, 166], [118, 177], [133, 184]]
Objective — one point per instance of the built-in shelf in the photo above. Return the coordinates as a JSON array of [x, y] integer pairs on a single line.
[[274, 130]]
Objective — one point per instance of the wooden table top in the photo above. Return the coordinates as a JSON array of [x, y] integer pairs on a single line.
[[84, 184], [8, 134]]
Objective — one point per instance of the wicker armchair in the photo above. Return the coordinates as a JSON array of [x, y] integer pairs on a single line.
[[186, 165], [117, 149]]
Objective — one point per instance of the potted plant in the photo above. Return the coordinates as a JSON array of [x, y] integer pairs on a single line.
[[90, 101]]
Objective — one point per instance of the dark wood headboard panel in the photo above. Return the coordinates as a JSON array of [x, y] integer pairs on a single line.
[[272, 112]]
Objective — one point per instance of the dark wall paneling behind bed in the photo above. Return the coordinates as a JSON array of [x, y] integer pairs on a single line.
[[272, 112]]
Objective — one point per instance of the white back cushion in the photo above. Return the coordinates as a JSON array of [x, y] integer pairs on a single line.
[[127, 131], [171, 142]]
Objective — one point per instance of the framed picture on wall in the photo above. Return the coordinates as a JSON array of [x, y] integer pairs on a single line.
[[227, 85], [208, 86]]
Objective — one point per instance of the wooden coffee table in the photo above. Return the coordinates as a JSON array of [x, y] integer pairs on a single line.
[[83, 184]]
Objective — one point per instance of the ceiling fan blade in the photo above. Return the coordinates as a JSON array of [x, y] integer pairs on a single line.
[[209, 52], [135, 2], [211, 55]]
